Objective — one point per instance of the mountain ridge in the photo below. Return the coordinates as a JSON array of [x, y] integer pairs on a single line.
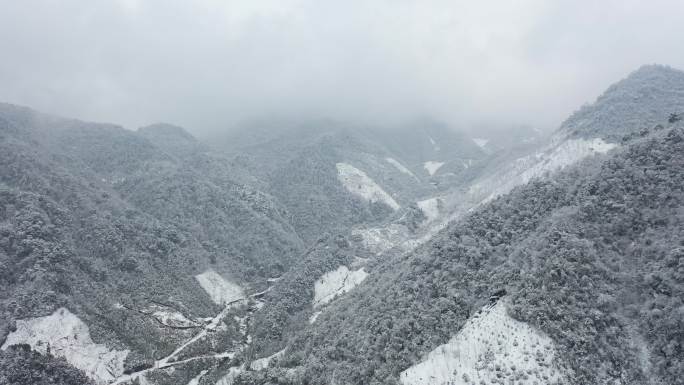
[[207, 265]]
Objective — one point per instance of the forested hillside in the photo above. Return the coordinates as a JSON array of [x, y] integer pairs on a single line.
[[592, 257], [112, 226], [331, 253], [22, 366], [111, 231], [298, 163], [638, 101], [302, 192]]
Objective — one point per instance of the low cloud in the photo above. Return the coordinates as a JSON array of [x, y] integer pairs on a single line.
[[209, 64]]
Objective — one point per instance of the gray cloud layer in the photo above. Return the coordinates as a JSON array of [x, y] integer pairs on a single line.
[[207, 64]]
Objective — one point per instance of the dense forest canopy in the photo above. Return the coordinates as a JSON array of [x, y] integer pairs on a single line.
[[328, 252]]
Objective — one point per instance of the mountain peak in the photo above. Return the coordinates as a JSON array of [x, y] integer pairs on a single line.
[[165, 129], [644, 98], [655, 69]]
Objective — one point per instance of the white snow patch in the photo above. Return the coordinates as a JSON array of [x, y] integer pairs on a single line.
[[172, 318], [430, 208], [230, 377], [481, 142], [400, 167], [491, 348], [65, 335], [360, 184], [553, 159], [432, 166], [314, 317], [335, 283], [380, 239], [433, 143], [263, 363], [219, 289]]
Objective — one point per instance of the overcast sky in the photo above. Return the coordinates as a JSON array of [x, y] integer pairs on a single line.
[[208, 64]]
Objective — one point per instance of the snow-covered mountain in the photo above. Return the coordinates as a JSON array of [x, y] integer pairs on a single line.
[[118, 246], [333, 176], [321, 252], [644, 99], [562, 280], [411, 316]]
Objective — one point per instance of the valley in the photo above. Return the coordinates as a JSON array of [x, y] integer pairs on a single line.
[[330, 253]]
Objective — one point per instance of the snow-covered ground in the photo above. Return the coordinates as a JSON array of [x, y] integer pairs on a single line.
[[65, 335], [434, 144], [552, 159], [400, 167], [380, 239], [432, 166], [491, 348], [360, 184], [171, 318], [219, 289], [335, 283], [212, 324], [481, 142], [314, 317], [430, 208], [263, 363]]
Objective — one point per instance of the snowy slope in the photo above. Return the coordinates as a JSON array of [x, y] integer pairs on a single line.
[[65, 335], [380, 239], [314, 317], [481, 142], [400, 166], [430, 208], [219, 289], [256, 365], [645, 98], [335, 283], [491, 348], [172, 318], [360, 184], [551, 159], [432, 166], [434, 144]]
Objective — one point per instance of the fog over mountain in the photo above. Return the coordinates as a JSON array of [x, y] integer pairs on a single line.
[[207, 65], [350, 193]]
